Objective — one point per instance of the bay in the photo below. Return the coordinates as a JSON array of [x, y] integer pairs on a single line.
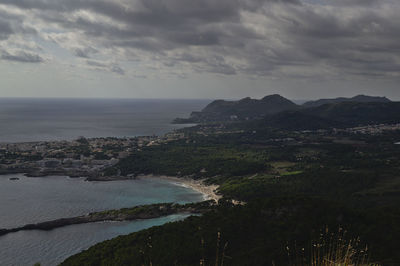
[[32, 200]]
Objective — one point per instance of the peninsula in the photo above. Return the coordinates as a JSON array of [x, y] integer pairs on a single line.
[[127, 214]]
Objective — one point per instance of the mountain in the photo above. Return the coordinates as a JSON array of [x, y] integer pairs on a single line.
[[244, 109], [278, 112], [358, 113], [358, 98], [337, 115], [298, 120]]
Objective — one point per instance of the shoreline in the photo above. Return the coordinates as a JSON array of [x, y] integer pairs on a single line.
[[140, 212], [208, 191]]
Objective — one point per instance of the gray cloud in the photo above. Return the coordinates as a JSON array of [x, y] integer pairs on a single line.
[[104, 66], [356, 2], [5, 30], [277, 38], [22, 57], [95, 64], [11, 24], [117, 69], [84, 52]]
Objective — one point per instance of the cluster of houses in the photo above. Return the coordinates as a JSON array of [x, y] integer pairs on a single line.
[[74, 158], [371, 129]]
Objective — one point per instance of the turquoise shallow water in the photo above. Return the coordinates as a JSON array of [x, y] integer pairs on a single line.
[[53, 247], [31, 200]]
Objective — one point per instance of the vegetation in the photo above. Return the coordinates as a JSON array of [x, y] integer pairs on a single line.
[[292, 189], [358, 98], [243, 109], [353, 113], [183, 159], [255, 234], [290, 184], [330, 249], [277, 112]]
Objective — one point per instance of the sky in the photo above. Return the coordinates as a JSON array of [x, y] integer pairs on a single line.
[[301, 49]]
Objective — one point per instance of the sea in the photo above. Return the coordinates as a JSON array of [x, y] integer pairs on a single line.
[[31, 200], [31, 119]]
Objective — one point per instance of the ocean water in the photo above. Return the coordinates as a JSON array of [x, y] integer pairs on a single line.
[[53, 247], [30, 119], [31, 200]]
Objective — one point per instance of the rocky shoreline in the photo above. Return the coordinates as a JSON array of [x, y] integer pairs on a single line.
[[126, 214]]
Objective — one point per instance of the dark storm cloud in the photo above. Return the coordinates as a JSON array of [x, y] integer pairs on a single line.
[[22, 57], [256, 37]]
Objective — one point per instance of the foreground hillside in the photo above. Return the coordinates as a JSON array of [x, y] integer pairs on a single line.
[[292, 184], [256, 234]]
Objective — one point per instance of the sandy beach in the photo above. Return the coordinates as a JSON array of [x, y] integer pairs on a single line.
[[209, 191]]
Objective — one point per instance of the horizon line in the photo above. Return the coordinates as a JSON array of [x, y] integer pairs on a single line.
[[150, 98]]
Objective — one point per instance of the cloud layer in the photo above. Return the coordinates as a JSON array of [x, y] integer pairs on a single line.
[[257, 38]]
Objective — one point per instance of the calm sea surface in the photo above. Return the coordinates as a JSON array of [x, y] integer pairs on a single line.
[[61, 119], [31, 200]]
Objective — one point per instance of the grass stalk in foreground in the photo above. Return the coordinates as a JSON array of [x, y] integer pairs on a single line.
[[331, 249]]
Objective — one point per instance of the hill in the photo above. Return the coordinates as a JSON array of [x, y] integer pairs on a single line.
[[357, 113], [298, 120], [252, 235], [358, 98], [282, 113], [244, 109], [338, 115]]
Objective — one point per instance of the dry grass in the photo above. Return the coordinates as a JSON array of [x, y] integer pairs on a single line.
[[328, 249], [331, 249]]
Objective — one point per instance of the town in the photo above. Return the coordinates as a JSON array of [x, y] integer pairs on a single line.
[[93, 158], [83, 157]]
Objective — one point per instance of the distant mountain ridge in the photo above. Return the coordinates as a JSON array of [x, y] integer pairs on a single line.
[[244, 109], [279, 112], [358, 113], [336, 115], [358, 98], [298, 120]]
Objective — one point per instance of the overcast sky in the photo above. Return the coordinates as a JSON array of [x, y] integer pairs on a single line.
[[301, 49]]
